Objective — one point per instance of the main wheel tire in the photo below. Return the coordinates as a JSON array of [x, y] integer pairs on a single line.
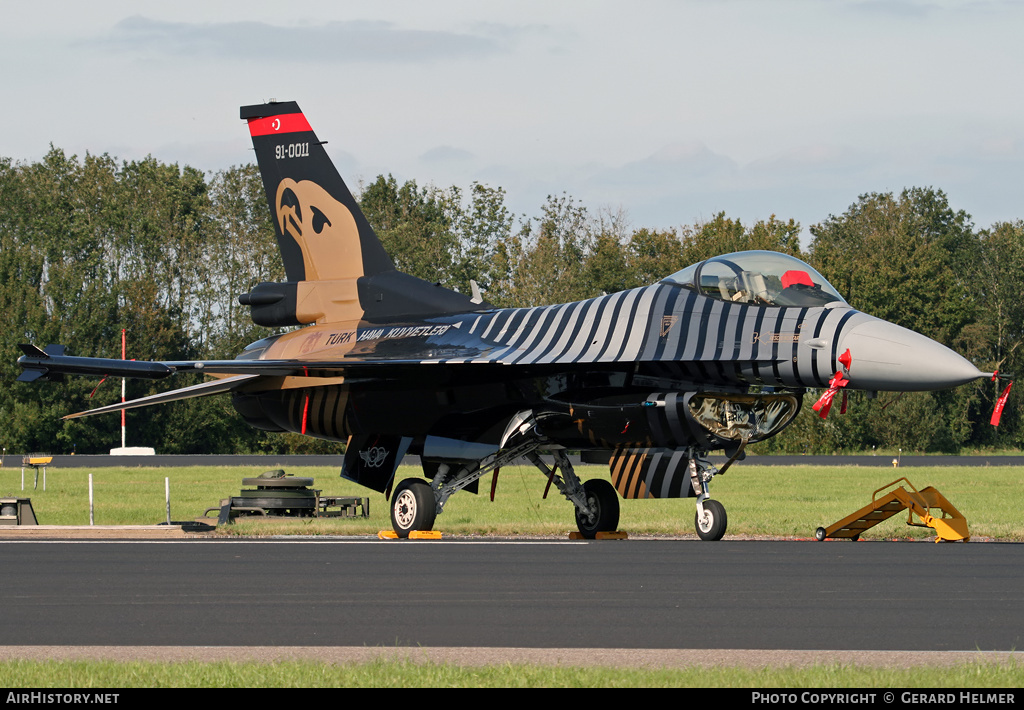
[[604, 500], [712, 525], [819, 534], [412, 507]]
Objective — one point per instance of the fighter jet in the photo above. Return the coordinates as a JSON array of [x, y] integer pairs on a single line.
[[649, 381]]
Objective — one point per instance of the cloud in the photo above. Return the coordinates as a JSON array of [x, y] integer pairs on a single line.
[[673, 167], [339, 42], [894, 8], [446, 154]]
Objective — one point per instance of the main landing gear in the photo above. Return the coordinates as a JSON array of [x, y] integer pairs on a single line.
[[416, 503], [597, 503], [413, 507], [602, 512]]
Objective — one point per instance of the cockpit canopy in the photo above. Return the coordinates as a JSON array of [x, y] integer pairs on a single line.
[[764, 278]]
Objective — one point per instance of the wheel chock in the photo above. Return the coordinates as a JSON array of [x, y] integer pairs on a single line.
[[414, 535], [618, 535]]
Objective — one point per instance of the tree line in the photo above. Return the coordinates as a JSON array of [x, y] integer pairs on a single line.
[[90, 246]]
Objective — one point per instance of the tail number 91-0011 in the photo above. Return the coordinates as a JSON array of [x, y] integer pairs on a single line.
[[291, 150]]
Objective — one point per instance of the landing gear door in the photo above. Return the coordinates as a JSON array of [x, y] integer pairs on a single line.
[[371, 460]]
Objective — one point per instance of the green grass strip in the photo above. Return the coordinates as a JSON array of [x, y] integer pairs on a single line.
[[406, 674], [760, 500]]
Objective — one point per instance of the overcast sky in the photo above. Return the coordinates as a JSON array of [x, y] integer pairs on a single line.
[[669, 110]]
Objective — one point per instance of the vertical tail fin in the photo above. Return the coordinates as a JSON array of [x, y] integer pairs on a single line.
[[337, 268], [322, 233]]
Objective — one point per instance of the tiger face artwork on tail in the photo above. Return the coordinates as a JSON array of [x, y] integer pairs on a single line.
[[323, 227]]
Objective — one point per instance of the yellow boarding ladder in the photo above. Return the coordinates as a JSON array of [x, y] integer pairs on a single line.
[[951, 526]]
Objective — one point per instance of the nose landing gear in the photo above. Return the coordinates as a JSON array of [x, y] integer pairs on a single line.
[[710, 520]]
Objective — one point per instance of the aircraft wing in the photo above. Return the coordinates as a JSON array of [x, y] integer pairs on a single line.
[[51, 363]]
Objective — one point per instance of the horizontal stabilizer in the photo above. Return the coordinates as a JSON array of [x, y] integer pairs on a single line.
[[201, 390]]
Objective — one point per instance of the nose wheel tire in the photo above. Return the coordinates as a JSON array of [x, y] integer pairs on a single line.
[[711, 526], [604, 504], [413, 507]]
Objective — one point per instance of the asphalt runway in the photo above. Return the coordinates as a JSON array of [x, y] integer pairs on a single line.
[[635, 594]]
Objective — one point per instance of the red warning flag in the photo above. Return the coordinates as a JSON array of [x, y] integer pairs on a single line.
[[93, 393], [997, 413], [824, 404]]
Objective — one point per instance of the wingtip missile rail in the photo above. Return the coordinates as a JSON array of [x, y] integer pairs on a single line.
[[51, 363]]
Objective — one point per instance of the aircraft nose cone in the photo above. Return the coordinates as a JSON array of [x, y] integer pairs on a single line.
[[888, 357]]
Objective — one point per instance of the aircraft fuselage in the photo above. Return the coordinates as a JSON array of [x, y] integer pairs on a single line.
[[462, 376]]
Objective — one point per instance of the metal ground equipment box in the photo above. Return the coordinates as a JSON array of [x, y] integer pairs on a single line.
[[17, 511], [278, 495], [949, 526]]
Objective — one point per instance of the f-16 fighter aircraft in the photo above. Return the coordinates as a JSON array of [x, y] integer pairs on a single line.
[[714, 357]]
